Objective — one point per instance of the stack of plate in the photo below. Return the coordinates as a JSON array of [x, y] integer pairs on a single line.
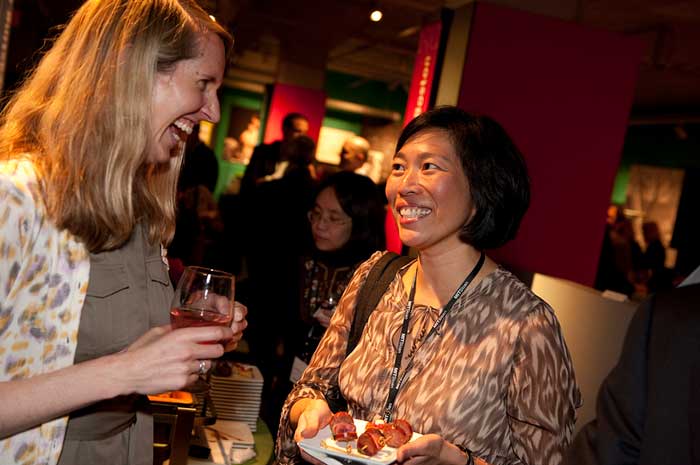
[[237, 397]]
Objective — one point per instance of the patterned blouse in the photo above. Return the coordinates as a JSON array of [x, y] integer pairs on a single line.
[[496, 377], [44, 274]]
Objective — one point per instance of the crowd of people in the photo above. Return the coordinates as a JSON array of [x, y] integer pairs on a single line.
[[627, 267], [97, 181]]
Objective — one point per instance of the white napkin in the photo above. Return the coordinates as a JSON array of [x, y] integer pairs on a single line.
[[230, 442]]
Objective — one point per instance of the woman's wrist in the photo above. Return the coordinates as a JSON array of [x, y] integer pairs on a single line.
[[297, 409], [469, 455]]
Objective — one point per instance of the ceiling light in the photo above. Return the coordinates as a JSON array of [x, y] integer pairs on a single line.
[[376, 15]]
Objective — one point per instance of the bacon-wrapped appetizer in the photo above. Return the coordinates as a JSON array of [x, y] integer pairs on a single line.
[[393, 436], [406, 432], [370, 442], [343, 427]]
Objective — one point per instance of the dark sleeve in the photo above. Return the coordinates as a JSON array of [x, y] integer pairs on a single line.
[[615, 436], [255, 169], [321, 376]]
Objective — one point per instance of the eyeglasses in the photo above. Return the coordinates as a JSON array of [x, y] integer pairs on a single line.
[[316, 216]]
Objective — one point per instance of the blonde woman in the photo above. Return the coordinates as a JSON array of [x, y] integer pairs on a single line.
[[90, 150]]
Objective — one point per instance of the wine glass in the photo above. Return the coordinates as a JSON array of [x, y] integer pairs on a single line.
[[203, 297]]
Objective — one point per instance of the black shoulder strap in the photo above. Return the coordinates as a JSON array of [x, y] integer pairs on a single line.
[[376, 284]]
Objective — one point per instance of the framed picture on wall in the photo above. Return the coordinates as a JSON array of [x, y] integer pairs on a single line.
[[242, 135]]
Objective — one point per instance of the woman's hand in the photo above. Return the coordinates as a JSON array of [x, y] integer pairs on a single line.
[[238, 324], [314, 416], [149, 336], [428, 450], [167, 360]]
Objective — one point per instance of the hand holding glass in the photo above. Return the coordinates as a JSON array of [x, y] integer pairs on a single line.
[[203, 297]]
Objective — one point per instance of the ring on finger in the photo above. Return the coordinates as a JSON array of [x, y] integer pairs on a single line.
[[202, 367]]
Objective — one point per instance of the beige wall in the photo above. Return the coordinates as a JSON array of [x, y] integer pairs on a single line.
[[593, 327]]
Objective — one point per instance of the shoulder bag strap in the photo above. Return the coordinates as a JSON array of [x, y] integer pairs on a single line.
[[376, 284]]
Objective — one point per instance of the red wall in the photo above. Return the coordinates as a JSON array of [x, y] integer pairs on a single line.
[[563, 93], [286, 99]]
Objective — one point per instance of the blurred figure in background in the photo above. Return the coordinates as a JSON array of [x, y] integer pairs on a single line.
[[347, 222], [354, 154], [354, 157], [654, 259], [198, 223], [620, 258], [277, 232], [299, 160], [248, 139], [266, 157]]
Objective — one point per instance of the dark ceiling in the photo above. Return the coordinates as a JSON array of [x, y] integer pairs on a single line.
[[669, 78], [337, 34]]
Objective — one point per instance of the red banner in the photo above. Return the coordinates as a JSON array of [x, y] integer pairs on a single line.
[[287, 98], [423, 71]]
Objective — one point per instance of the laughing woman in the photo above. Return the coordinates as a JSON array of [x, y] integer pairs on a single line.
[[482, 370], [90, 151]]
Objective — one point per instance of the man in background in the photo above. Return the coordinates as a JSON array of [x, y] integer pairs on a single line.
[[267, 158], [355, 157]]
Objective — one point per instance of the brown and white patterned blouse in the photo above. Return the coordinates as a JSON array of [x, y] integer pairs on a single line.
[[496, 378]]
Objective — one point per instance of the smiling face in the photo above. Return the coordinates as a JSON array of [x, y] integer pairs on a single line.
[[184, 96], [330, 225], [428, 192]]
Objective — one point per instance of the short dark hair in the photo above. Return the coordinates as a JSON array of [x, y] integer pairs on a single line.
[[287, 122], [495, 169], [362, 201], [301, 151]]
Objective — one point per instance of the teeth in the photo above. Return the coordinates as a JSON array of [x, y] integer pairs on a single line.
[[184, 126], [414, 212]]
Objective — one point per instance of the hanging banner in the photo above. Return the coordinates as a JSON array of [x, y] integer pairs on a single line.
[[423, 71], [5, 22]]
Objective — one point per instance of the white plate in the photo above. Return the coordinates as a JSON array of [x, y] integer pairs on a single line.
[[324, 444]]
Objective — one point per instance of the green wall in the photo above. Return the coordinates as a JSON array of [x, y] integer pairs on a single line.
[[343, 120], [231, 99], [375, 94]]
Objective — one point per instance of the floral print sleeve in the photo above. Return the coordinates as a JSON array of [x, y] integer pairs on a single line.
[[44, 274]]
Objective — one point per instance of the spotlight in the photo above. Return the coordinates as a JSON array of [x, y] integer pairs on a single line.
[[376, 15]]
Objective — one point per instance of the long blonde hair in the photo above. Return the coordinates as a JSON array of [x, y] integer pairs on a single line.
[[83, 117]]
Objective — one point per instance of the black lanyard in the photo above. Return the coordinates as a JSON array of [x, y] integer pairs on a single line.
[[395, 381]]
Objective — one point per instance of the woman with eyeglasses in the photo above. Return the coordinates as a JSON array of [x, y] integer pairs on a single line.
[[346, 221], [346, 226]]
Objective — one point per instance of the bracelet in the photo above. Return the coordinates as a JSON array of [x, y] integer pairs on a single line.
[[470, 456]]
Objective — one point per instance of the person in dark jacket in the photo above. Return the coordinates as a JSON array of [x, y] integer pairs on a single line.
[[648, 409], [266, 158]]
